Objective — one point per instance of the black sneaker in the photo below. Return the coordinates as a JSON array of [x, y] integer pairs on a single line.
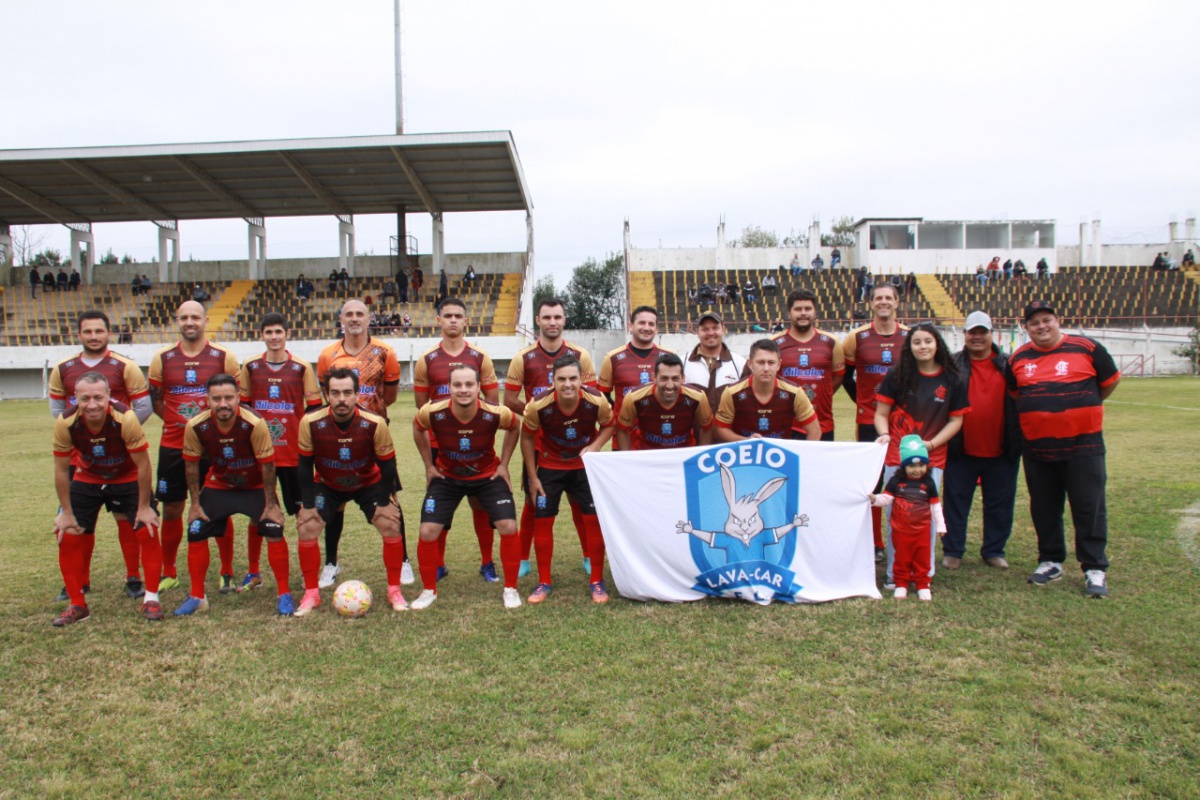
[[880, 555], [134, 588], [1096, 585], [1046, 572]]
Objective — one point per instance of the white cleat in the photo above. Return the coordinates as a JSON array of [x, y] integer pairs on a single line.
[[512, 598], [329, 574], [924, 594], [406, 574], [424, 600], [901, 593]]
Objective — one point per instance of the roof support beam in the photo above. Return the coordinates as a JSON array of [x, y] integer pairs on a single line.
[[122, 194], [406, 167], [52, 210], [315, 186], [201, 177]]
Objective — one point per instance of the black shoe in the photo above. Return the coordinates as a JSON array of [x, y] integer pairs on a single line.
[[134, 588], [880, 555]]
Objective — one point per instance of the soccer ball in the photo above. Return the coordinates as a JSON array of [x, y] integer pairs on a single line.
[[352, 599]]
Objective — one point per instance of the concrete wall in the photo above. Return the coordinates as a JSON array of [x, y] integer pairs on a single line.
[[689, 258], [1126, 255]]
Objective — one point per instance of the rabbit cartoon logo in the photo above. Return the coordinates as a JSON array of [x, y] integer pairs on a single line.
[[744, 544]]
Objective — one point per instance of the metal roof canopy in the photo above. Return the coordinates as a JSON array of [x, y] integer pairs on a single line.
[[434, 173]]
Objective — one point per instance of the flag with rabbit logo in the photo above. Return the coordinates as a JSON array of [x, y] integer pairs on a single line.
[[761, 520]]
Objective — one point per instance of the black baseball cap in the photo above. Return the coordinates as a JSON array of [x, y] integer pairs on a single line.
[[1038, 305], [713, 315]]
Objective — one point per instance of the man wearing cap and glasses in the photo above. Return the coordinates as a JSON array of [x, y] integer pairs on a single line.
[[1060, 382], [987, 451], [712, 366]]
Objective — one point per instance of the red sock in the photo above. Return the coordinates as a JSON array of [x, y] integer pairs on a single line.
[[70, 561], [877, 526], [172, 536], [595, 550], [277, 556], [543, 545], [89, 545], [129, 547], [526, 533], [510, 559], [393, 560], [442, 547], [428, 559], [254, 551], [484, 533], [198, 558], [309, 552], [225, 548], [150, 544], [577, 517]]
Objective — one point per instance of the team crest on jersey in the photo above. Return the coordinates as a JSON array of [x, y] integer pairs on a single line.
[[570, 433], [862, 335], [189, 376], [227, 453], [667, 429], [1061, 368], [440, 415], [939, 394], [743, 506], [1030, 368], [885, 356], [464, 444], [362, 423], [343, 453], [764, 423], [321, 424], [644, 377], [273, 391], [620, 357], [804, 359], [487, 417], [98, 451], [214, 353], [782, 395]]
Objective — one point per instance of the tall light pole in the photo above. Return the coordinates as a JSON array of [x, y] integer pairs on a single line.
[[399, 81]]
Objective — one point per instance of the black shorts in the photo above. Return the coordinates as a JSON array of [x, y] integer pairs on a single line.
[[329, 501], [444, 495], [221, 504], [172, 475], [88, 498], [556, 481], [288, 479], [800, 436]]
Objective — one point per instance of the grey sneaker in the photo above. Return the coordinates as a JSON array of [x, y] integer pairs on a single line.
[[1046, 572], [1096, 584]]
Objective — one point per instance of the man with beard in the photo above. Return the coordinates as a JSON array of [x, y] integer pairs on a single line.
[[811, 358], [665, 414]]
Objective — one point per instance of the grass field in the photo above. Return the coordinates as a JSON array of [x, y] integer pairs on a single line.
[[994, 689]]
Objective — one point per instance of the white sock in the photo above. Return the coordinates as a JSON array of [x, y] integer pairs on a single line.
[[151, 597]]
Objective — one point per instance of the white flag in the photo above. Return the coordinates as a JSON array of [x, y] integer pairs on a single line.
[[761, 519]]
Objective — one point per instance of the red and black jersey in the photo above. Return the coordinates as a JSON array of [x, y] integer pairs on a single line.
[[181, 379], [431, 374], [564, 434], [925, 411], [101, 456], [623, 370], [236, 454], [1058, 396], [913, 497], [345, 456], [125, 380], [871, 355], [787, 410], [532, 369], [466, 450], [281, 394], [652, 426], [812, 366]]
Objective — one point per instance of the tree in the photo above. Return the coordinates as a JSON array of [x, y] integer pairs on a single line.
[[595, 296], [542, 289], [842, 235], [25, 244], [795, 239], [754, 236], [109, 258], [46, 258]]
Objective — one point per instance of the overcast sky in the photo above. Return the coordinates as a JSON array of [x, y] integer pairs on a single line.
[[670, 114]]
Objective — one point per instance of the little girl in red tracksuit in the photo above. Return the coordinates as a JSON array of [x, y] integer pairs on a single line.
[[913, 497]]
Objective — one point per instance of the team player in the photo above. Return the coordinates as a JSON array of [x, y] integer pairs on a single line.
[[112, 470], [811, 358], [378, 371], [572, 421], [530, 370], [631, 365], [762, 406], [464, 429], [870, 351], [178, 375], [281, 389], [240, 480], [346, 454], [127, 386], [431, 383], [665, 414]]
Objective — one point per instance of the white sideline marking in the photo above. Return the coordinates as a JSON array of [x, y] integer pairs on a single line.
[[1188, 532], [1149, 405]]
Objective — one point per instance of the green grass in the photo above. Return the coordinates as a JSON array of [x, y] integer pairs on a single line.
[[994, 689]]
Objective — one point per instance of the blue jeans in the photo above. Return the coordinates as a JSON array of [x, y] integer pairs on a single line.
[[997, 477], [888, 472]]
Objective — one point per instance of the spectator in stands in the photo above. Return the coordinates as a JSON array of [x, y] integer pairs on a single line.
[[333, 281], [993, 268], [732, 290], [469, 279], [368, 301], [818, 263], [864, 283], [125, 336], [1172, 264], [750, 292], [779, 326], [898, 284], [200, 294], [35, 280], [305, 289], [1189, 258], [981, 275], [406, 323], [146, 285], [344, 280], [389, 290], [48, 281], [795, 265], [1043, 269], [443, 288], [1160, 261], [76, 279], [835, 258], [418, 280], [705, 294], [722, 294], [64, 280], [1019, 270], [1008, 269], [769, 284], [910, 283], [692, 295], [401, 287]]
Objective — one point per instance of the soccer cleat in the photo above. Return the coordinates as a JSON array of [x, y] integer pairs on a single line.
[[901, 593], [285, 606], [152, 610], [64, 597], [406, 574], [424, 599], [488, 572], [71, 615], [540, 593], [252, 581], [134, 588], [191, 606], [1046, 571], [226, 585], [442, 573], [396, 598], [880, 555], [587, 566], [525, 569], [1096, 585], [512, 598], [924, 594], [329, 573], [310, 601], [599, 593], [167, 582]]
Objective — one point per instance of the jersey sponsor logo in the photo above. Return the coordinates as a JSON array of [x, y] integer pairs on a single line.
[[189, 410], [810, 374], [277, 429], [1030, 368], [194, 389], [267, 405]]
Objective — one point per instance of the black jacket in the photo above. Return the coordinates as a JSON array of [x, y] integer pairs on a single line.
[[1012, 425]]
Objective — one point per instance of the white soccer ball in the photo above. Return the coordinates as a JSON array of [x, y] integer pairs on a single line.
[[352, 599]]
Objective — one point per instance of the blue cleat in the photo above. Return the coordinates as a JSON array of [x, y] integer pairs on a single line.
[[285, 606], [525, 569], [253, 580], [488, 572], [191, 606], [442, 573], [587, 565]]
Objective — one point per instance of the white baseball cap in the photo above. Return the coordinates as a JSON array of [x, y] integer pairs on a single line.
[[978, 319]]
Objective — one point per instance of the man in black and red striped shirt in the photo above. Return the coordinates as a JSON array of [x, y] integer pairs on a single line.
[[1060, 382]]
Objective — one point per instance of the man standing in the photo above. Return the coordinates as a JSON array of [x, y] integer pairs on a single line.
[[431, 383], [346, 454], [1060, 382], [178, 375], [378, 374], [572, 421], [112, 469], [870, 351], [240, 480], [281, 389], [811, 359], [632, 365], [712, 366], [665, 414], [987, 452], [127, 386], [762, 407], [465, 432]]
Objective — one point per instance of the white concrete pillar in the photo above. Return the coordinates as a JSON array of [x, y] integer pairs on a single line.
[[814, 240], [525, 315], [1173, 228], [721, 259], [346, 244], [78, 239], [256, 236], [1083, 244], [1189, 231], [1097, 253], [168, 255], [439, 246]]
